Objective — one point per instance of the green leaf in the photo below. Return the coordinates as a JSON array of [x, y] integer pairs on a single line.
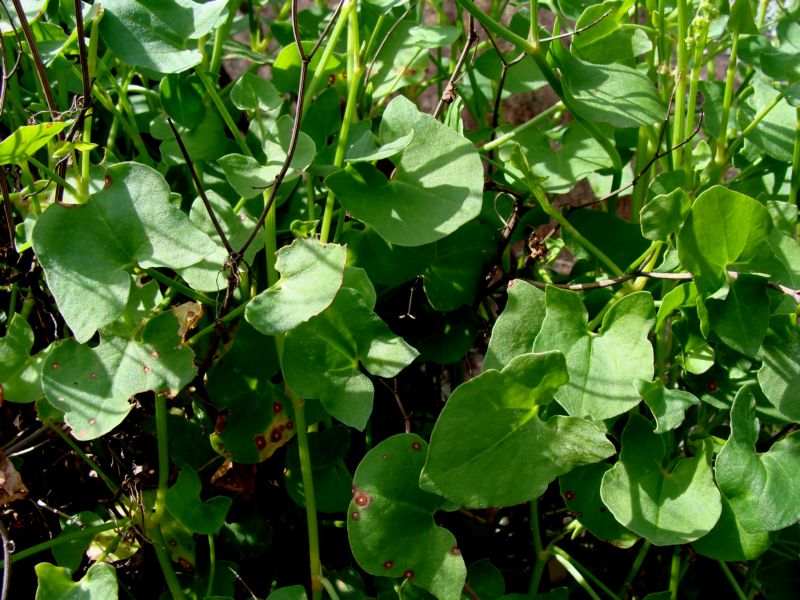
[[55, 583], [775, 133], [390, 521], [33, 9], [332, 480], [331, 345], [485, 580], [438, 185], [131, 222], [183, 501], [208, 274], [621, 241], [26, 140], [433, 36], [93, 385], [20, 373], [311, 274], [762, 488], [603, 367], [291, 592], [454, 276], [364, 149], [728, 541], [663, 215], [620, 46], [580, 489], [742, 318], [250, 178], [741, 19], [254, 425], [182, 98], [386, 264], [286, 68], [251, 92], [155, 34], [667, 506], [668, 406], [724, 229], [494, 420], [779, 375], [614, 94], [517, 327]]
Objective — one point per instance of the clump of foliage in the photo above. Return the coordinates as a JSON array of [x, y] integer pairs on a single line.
[[294, 300]]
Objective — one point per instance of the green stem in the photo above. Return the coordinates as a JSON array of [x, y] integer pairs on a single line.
[[635, 567], [732, 580], [354, 81], [675, 573], [566, 562], [89, 532], [542, 556], [726, 102], [751, 126], [232, 315], [270, 241], [45, 170], [510, 135], [680, 86], [176, 285], [567, 226], [700, 28], [584, 571], [212, 565], [794, 194], [223, 111], [114, 488], [329, 588], [327, 51], [220, 36], [87, 121], [154, 531]]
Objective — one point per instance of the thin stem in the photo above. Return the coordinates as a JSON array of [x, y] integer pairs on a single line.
[[635, 567], [510, 135], [751, 126], [114, 488], [89, 532], [541, 555], [794, 194], [680, 86], [220, 36], [223, 111], [675, 573], [6, 560], [566, 562], [340, 19], [726, 102], [732, 580], [176, 285], [53, 175], [449, 90], [212, 565], [231, 316], [585, 572]]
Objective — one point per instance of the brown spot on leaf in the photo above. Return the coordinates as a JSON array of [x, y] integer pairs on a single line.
[[55, 366], [277, 407], [388, 564], [261, 442], [385, 457], [455, 551], [361, 499], [154, 354], [219, 426], [408, 574], [289, 425], [416, 446], [712, 386], [569, 495], [276, 435], [146, 369], [92, 375], [92, 421], [355, 516], [107, 181]]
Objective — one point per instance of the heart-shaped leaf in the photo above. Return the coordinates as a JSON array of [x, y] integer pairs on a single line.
[[763, 488], [93, 385], [26, 140], [603, 367], [132, 222], [667, 506], [493, 420], [311, 274], [516, 328], [20, 373], [437, 187], [331, 345], [55, 583], [779, 375], [390, 521], [183, 501]]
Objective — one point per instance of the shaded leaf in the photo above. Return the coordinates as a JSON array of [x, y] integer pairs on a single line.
[[668, 406], [517, 327], [200, 516], [667, 506], [92, 385], [132, 222], [390, 520], [728, 541], [762, 488], [20, 373], [332, 480], [779, 375], [251, 92]]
